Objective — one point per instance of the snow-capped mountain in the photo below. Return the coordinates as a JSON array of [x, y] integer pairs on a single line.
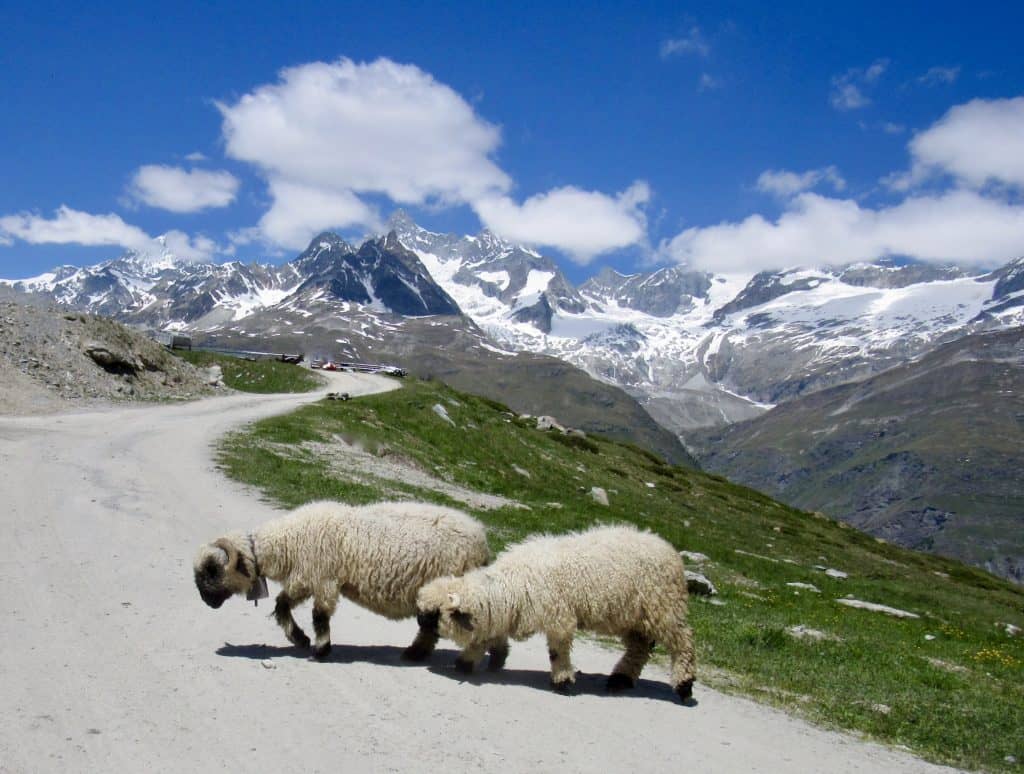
[[492, 278], [700, 349], [377, 301], [697, 349]]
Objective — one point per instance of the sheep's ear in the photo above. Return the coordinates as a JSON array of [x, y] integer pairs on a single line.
[[462, 619]]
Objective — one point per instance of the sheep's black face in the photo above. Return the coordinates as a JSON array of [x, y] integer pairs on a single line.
[[215, 600], [210, 582]]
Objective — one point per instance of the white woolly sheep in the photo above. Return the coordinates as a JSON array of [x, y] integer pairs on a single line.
[[378, 556], [610, 580]]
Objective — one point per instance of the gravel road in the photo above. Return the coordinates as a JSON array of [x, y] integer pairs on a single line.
[[110, 662]]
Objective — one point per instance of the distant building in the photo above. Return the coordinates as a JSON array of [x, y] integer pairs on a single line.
[[174, 340]]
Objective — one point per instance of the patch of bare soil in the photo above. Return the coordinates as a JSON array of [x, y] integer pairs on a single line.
[[354, 463]]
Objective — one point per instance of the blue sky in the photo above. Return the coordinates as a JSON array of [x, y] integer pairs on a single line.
[[731, 136]]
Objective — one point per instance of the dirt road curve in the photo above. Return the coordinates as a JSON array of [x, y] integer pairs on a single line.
[[110, 662]]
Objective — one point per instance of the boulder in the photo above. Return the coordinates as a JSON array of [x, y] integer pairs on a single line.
[[111, 358], [549, 423], [876, 608], [442, 412], [804, 586], [699, 584], [214, 376]]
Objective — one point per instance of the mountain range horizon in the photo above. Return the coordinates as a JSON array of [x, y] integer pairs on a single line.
[[685, 363]]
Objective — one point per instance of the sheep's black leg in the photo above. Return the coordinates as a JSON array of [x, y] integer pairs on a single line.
[[627, 671], [426, 638], [283, 613], [499, 654], [467, 659], [322, 631]]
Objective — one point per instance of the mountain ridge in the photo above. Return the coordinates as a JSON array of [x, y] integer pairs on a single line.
[[926, 454]]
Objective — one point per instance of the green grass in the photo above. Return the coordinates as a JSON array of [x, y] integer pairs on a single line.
[[263, 376], [949, 685]]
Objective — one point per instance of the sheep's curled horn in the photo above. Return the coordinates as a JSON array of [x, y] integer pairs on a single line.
[[233, 557]]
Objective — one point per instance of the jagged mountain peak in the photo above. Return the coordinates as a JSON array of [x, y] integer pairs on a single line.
[[401, 222], [328, 240]]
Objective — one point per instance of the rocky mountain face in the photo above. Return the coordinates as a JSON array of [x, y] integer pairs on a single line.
[[662, 293], [926, 454], [375, 302], [492, 276], [698, 349]]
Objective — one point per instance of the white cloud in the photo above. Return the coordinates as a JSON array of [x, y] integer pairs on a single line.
[[936, 76], [708, 82], [977, 143], [784, 183], [848, 96], [198, 248], [69, 226], [195, 157], [327, 135], [815, 230], [299, 212], [875, 70], [848, 89], [691, 43], [890, 127], [583, 224], [177, 190]]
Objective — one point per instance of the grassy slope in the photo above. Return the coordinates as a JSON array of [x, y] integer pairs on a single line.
[[262, 376], [969, 712]]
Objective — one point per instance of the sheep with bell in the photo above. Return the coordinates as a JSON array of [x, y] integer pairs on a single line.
[[378, 556]]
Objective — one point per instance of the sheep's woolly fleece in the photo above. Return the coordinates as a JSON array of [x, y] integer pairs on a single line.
[[611, 580], [377, 555]]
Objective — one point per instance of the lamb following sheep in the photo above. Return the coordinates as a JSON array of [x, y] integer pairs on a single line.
[[378, 556], [610, 580]]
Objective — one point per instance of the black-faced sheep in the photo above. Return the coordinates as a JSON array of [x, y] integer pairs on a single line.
[[378, 556], [610, 580]]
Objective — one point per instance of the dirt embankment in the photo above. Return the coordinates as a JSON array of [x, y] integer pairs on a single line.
[[52, 359]]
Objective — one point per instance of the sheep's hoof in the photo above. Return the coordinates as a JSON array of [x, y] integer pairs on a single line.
[[464, 665], [299, 640], [685, 690], [619, 682], [321, 652], [416, 653], [562, 686], [497, 659]]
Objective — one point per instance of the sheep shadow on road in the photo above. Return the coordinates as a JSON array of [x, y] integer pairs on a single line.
[[442, 662], [585, 685], [341, 653]]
